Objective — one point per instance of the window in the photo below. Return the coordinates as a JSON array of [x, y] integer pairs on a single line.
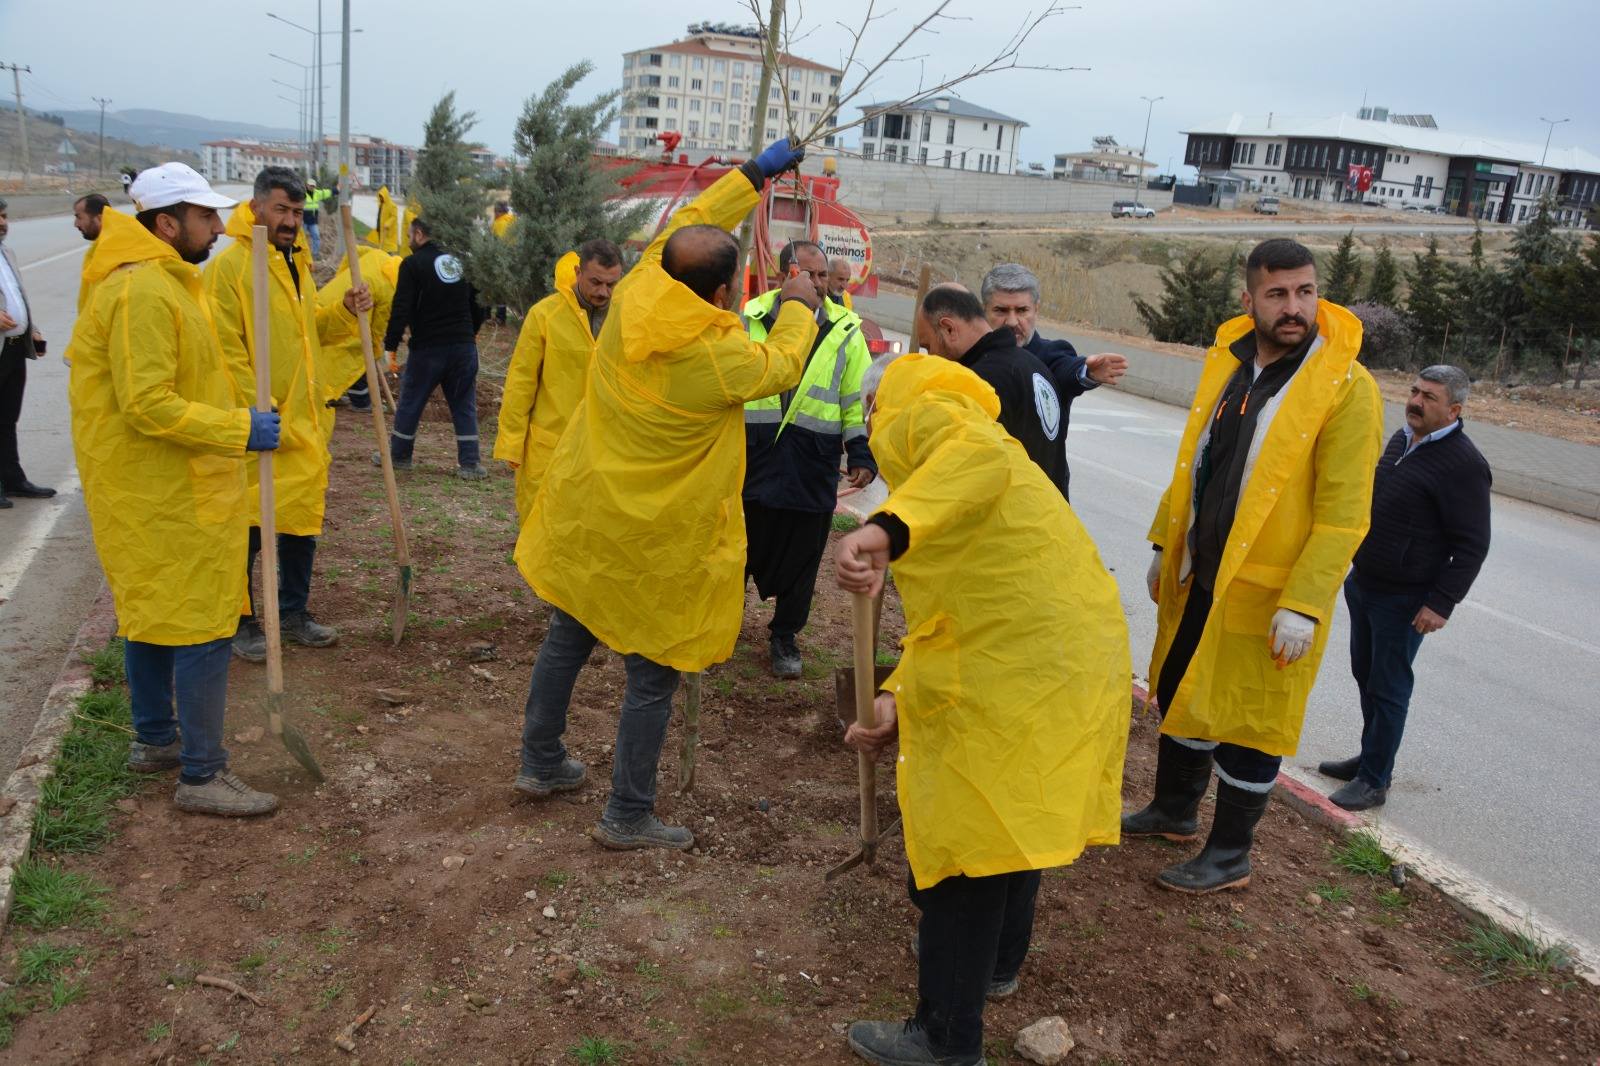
[[627, 62], [1238, 149], [696, 85], [1416, 187], [1427, 188], [794, 96], [697, 63], [655, 59], [896, 127], [694, 127], [733, 133], [947, 157], [866, 151], [652, 101], [999, 132], [1252, 158], [719, 88], [719, 66], [986, 127], [905, 153], [816, 98], [648, 122], [716, 107], [622, 123], [672, 103], [772, 112], [950, 132], [1407, 160], [694, 105], [870, 127], [922, 156], [738, 72], [673, 81], [772, 93], [833, 81], [652, 81], [715, 129], [772, 133], [675, 62]]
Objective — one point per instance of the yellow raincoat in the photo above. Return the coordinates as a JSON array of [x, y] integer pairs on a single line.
[[384, 236], [1303, 509], [403, 238], [300, 469], [89, 272], [1012, 688], [637, 530], [501, 225], [544, 382], [342, 361], [159, 434]]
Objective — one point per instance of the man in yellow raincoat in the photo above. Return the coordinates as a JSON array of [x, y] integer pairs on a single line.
[[300, 473], [551, 363], [386, 234], [160, 434], [500, 226], [1270, 497], [340, 332], [636, 535], [1010, 700]]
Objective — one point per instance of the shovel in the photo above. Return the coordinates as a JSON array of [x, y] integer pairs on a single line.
[[291, 737], [402, 550], [865, 677]]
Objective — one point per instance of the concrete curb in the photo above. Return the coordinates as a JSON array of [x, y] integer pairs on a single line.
[[20, 797]]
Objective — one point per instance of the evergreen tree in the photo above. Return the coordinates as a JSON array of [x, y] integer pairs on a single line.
[[446, 179], [1384, 286], [1196, 298], [1538, 252], [1341, 282], [1430, 296], [561, 195]]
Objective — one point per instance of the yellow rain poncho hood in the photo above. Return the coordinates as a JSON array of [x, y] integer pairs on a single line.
[[637, 530], [300, 469], [1013, 685], [1304, 507], [385, 236], [159, 436], [544, 382], [342, 360]]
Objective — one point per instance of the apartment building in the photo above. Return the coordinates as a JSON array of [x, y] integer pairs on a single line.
[[703, 86], [942, 132], [1106, 160], [236, 161]]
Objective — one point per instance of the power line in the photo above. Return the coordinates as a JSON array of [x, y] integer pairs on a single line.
[[102, 101], [22, 118]]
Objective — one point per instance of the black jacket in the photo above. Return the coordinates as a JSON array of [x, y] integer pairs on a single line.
[[1030, 407], [435, 300], [1430, 520]]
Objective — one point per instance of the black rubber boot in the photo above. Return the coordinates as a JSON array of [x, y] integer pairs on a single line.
[[1182, 774], [1225, 860]]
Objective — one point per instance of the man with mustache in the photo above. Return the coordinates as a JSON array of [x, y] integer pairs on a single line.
[[1430, 533], [1269, 499]]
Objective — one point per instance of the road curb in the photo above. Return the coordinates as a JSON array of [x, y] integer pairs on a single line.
[[20, 797]]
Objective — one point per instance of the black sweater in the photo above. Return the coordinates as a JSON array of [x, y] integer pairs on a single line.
[[1030, 408], [434, 298], [1430, 521]]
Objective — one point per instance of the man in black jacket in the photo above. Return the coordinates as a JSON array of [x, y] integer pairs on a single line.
[[433, 298], [953, 326], [1429, 536]]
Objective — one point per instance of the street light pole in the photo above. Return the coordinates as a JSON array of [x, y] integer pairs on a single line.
[[319, 87], [1553, 123], [346, 192], [1144, 145]]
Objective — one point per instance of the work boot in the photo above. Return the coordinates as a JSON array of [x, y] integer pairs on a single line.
[[1342, 769], [5, 502], [471, 473], [647, 831], [902, 1044], [224, 795], [301, 628], [249, 643], [1182, 774], [1225, 860], [152, 758], [785, 658], [1360, 796], [567, 777], [27, 490], [398, 464]]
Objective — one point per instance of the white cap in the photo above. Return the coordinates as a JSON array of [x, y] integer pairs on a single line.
[[174, 183]]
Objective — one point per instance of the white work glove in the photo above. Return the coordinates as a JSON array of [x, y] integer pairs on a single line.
[[1291, 634], [1152, 576]]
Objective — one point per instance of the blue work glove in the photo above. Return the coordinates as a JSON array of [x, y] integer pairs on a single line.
[[264, 429], [778, 157]]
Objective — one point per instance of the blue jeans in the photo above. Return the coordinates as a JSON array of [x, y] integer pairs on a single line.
[[641, 729], [1383, 645], [198, 675], [314, 235], [453, 368]]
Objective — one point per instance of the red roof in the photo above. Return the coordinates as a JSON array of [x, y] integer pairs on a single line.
[[697, 46]]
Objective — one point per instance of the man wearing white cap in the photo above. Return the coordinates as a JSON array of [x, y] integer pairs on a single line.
[[160, 436]]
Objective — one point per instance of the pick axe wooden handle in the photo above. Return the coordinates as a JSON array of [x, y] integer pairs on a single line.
[[261, 342], [866, 693]]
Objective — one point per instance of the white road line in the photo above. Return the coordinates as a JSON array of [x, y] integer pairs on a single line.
[[26, 542], [1078, 460], [1532, 627], [52, 258]]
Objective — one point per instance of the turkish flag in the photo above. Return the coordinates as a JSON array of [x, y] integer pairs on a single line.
[[1359, 177]]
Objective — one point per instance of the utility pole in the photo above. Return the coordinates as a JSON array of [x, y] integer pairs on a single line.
[[319, 77], [1553, 123], [103, 102], [346, 192], [22, 118], [1144, 145]]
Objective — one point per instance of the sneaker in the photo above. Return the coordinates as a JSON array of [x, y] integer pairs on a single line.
[[567, 777], [152, 758], [249, 643], [226, 796], [398, 464], [471, 473], [786, 661], [902, 1044], [301, 628], [646, 832]]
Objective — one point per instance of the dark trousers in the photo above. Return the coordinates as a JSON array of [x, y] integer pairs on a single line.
[[295, 555], [1383, 645], [192, 677], [973, 931], [360, 396], [13, 380], [1243, 767], [783, 553], [641, 727], [452, 368]]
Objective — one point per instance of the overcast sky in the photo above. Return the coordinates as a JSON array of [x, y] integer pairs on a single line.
[[1480, 67]]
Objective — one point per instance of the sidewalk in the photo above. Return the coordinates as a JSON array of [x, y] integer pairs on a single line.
[[1527, 466]]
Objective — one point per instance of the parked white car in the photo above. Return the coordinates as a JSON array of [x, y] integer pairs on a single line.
[[1130, 209]]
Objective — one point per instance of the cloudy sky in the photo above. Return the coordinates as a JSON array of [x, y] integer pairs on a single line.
[[1480, 67]]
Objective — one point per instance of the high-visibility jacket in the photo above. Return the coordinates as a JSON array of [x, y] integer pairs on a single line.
[[341, 332], [544, 382], [1305, 501], [159, 434], [300, 468], [1012, 687], [317, 201], [793, 440], [637, 530]]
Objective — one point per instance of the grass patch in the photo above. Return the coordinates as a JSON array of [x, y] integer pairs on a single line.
[[39, 963], [1392, 899], [1505, 955], [12, 1009], [845, 523], [1360, 853], [158, 1032], [50, 898], [106, 665], [595, 1051], [1361, 992], [90, 774], [1332, 893]]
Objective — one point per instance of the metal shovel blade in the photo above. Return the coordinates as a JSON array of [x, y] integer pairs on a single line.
[[868, 853], [293, 740], [402, 605]]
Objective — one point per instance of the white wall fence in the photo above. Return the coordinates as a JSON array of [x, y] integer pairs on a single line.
[[876, 187]]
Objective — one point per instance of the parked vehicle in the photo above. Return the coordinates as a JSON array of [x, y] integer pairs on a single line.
[[1131, 209], [1265, 205]]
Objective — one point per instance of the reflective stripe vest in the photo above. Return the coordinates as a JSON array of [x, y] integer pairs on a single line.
[[828, 398]]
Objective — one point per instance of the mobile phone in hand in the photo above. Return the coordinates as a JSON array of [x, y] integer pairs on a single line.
[[38, 346]]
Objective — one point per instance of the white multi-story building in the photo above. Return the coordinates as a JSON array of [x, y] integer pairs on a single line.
[[703, 87], [942, 132], [1106, 161], [236, 161]]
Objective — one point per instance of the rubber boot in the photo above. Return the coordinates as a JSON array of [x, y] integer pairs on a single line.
[[1182, 774], [1225, 860]]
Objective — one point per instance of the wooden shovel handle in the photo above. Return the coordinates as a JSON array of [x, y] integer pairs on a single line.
[[866, 692], [261, 340]]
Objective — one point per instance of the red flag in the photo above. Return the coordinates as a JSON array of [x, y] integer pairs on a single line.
[[1359, 177]]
